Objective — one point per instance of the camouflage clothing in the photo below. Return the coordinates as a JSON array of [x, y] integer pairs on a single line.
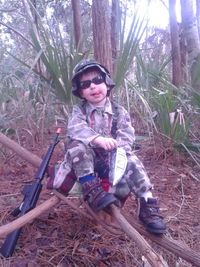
[[86, 123]]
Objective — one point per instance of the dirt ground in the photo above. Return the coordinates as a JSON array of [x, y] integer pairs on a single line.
[[62, 237]]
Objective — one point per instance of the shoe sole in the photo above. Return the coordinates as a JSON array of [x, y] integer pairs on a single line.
[[156, 231]]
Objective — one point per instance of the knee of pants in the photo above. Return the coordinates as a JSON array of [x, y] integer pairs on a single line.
[[137, 178], [121, 190], [78, 152]]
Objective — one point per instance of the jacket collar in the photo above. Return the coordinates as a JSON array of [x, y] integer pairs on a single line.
[[107, 108]]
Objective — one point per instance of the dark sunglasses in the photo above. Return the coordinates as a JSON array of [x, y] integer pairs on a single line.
[[86, 84]]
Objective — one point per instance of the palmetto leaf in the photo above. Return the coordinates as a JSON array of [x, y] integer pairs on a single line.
[[129, 47]]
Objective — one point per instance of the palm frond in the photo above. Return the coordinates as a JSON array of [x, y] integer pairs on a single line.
[[129, 47]]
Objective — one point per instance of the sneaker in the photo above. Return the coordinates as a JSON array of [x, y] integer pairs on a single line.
[[150, 216], [95, 196]]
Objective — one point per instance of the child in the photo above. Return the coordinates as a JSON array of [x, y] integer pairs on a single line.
[[96, 127]]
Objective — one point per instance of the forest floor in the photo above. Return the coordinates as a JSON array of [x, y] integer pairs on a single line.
[[62, 237]]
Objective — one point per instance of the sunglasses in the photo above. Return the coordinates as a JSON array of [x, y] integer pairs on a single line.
[[86, 84]]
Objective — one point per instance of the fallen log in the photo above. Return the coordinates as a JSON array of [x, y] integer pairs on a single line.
[[173, 246]]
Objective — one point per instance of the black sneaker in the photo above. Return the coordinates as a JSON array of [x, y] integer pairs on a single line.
[[149, 214]]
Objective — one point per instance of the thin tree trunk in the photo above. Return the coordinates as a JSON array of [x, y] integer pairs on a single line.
[[183, 52], [77, 21], [114, 32], [175, 45], [198, 15], [101, 33], [192, 38]]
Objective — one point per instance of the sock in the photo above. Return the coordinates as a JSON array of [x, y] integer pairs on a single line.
[[147, 195], [86, 178]]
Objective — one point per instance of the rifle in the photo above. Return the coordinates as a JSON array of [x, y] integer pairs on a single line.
[[31, 194]]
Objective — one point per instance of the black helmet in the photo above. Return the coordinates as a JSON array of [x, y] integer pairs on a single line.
[[84, 65]]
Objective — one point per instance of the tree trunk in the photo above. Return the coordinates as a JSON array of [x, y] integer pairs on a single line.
[[192, 38], [114, 31], [77, 21], [183, 52], [198, 15], [175, 45], [101, 33]]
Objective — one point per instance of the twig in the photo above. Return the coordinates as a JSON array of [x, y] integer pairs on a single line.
[[183, 195]]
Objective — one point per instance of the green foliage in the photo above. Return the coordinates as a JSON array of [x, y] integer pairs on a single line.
[[140, 105], [170, 118], [24, 105], [196, 100], [150, 73], [54, 56], [169, 105]]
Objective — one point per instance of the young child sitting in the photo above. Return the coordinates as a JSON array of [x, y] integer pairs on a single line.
[[96, 127]]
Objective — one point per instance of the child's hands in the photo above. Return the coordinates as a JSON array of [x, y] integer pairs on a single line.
[[105, 142]]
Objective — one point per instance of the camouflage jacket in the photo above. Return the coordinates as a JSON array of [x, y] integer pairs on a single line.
[[87, 122]]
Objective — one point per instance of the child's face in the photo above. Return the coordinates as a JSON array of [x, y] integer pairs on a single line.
[[93, 87]]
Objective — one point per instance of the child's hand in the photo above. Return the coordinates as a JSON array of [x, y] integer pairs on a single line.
[[105, 142]]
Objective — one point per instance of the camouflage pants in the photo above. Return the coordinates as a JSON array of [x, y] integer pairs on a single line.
[[81, 160]]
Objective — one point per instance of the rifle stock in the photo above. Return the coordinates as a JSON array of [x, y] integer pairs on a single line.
[[31, 195]]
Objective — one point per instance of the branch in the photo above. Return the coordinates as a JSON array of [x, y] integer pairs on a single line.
[[19, 150], [17, 32], [21, 221], [7, 10], [31, 18]]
